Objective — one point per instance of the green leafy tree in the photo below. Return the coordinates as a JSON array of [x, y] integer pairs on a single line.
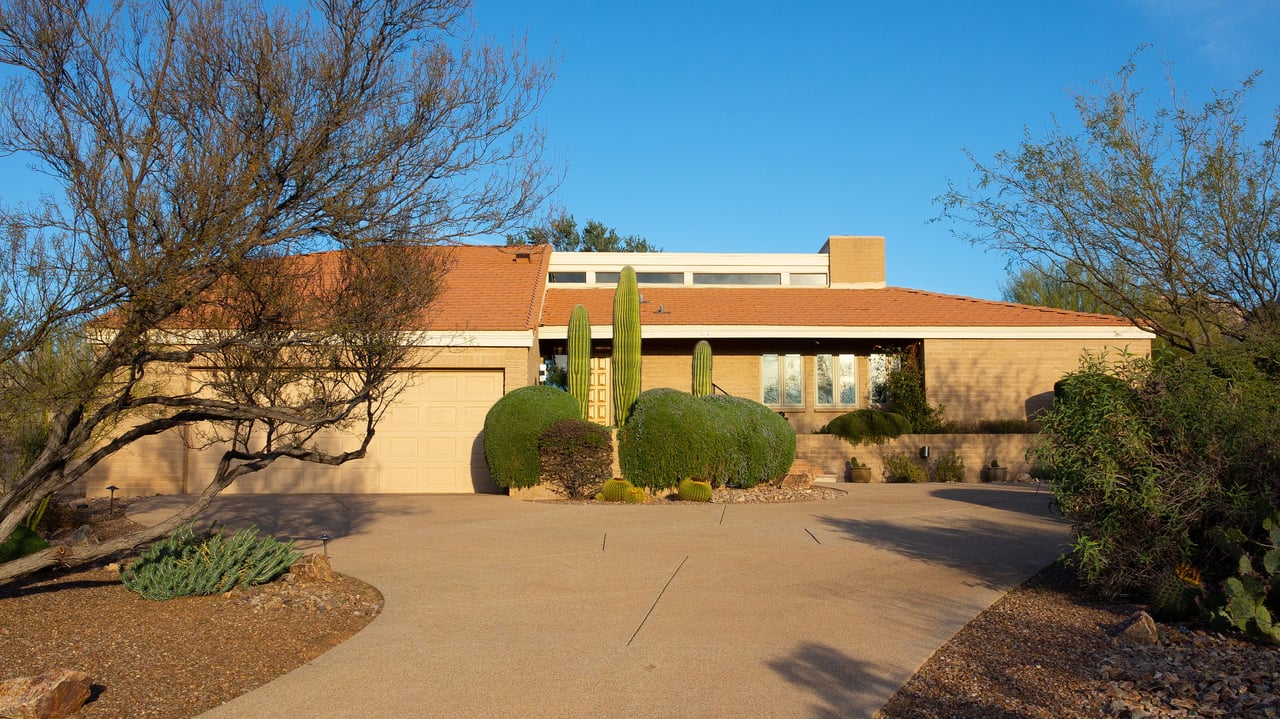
[[206, 152], [1166, 212], [563, 234], [1041, 287]]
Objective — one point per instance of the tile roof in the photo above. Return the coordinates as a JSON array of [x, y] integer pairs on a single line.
[[814, 307], [492, 288]]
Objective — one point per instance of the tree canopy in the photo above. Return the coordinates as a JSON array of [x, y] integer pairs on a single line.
[[1167, 212], [563, 235], [244, 188], [1040, 287]]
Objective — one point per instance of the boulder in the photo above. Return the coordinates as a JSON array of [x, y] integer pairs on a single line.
[[798, 480], [1139, 628], [313, 568], [54, 694]]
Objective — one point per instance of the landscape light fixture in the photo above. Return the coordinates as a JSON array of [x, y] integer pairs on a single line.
[[324, 539], [111, 503], [924, 453]]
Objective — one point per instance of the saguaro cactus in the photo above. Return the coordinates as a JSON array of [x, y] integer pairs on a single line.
[[702, 369], [579, 357], [626, 345]]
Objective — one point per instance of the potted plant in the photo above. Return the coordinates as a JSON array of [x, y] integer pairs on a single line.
[[858, 472], [994, 472]]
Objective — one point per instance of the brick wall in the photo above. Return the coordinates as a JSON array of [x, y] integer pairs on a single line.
[[1004, 379], [833, 453]]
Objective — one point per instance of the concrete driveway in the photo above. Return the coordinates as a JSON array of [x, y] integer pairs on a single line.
[[501, 608]]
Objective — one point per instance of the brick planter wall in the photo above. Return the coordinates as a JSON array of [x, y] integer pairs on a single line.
[[832, 453]]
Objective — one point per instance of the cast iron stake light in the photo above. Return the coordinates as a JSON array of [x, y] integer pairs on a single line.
[[111, 503], [324, 538]]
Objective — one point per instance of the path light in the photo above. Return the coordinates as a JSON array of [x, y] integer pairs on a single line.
[[111, 503], [325, 539]]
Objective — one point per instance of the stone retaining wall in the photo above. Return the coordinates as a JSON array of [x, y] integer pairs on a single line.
[[977, 450]]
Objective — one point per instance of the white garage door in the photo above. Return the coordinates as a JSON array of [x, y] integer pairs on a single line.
[[427, 442]]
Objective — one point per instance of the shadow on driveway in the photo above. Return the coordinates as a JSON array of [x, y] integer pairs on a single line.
[[843, 685]]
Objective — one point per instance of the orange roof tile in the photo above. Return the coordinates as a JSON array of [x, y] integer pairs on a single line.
[[492, 288], [814, 307]]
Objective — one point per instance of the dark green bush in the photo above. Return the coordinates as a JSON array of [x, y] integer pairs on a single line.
[[576, 457], [188, 564], [22, 542], [728, 440], [1150, 458], [512, 427], [867, 426], [904, 394]]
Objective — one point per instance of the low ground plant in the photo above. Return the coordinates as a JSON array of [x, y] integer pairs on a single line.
[[948, 467], [903, 467], [189, 564]]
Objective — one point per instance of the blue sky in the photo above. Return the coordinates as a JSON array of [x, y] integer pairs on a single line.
[[753, 127]]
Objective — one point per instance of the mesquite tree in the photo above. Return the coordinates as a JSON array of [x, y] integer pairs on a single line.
[[1164, 212], [626, 345], [203, 148]]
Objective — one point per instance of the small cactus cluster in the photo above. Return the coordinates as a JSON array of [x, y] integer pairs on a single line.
[[636, 495], [1174, 598], [615, 490], [693, 490]]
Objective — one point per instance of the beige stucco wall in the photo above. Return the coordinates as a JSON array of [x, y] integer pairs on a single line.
[[165, 464], [1006, 378]]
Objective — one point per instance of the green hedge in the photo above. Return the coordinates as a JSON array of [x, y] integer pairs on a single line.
[[730, 441], [867, 425], [512, 427]]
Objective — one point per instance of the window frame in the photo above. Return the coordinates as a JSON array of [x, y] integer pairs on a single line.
[[787, 373], [843, 374]]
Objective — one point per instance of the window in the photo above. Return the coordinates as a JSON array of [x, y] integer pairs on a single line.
[[812, 279], [836, 380], [881, 366], [782, 380], [567, 277], [739, 278]]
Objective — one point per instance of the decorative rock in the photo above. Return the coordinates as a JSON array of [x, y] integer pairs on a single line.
[[798, 480], [1140, 629], [314, 568], [81, 536], [54, 694]]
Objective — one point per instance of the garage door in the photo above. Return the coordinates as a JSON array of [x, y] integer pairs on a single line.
[[427, 442]]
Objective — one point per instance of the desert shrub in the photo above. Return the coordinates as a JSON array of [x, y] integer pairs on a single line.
[[869, 426], [576, 457], [692, 490], [902, 467], [728, 440], [187, 564], [1149, 458], [762, 443], [21, 542], [904, 393], [512, 427], [615, 490], [948, 467]]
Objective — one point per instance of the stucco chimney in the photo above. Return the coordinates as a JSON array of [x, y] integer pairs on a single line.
[[855, 262]]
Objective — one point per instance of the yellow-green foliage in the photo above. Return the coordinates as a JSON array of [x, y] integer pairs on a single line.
[[615, 490], [692, 490], [902, 467]]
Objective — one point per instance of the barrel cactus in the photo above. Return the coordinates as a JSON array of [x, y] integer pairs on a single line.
[[692, 490], [615, 490]]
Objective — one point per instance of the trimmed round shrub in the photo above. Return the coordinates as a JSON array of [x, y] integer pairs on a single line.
[[512, 428], [576, 457], [615, 490], [870, 426], [730, 441], [692, 490]]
